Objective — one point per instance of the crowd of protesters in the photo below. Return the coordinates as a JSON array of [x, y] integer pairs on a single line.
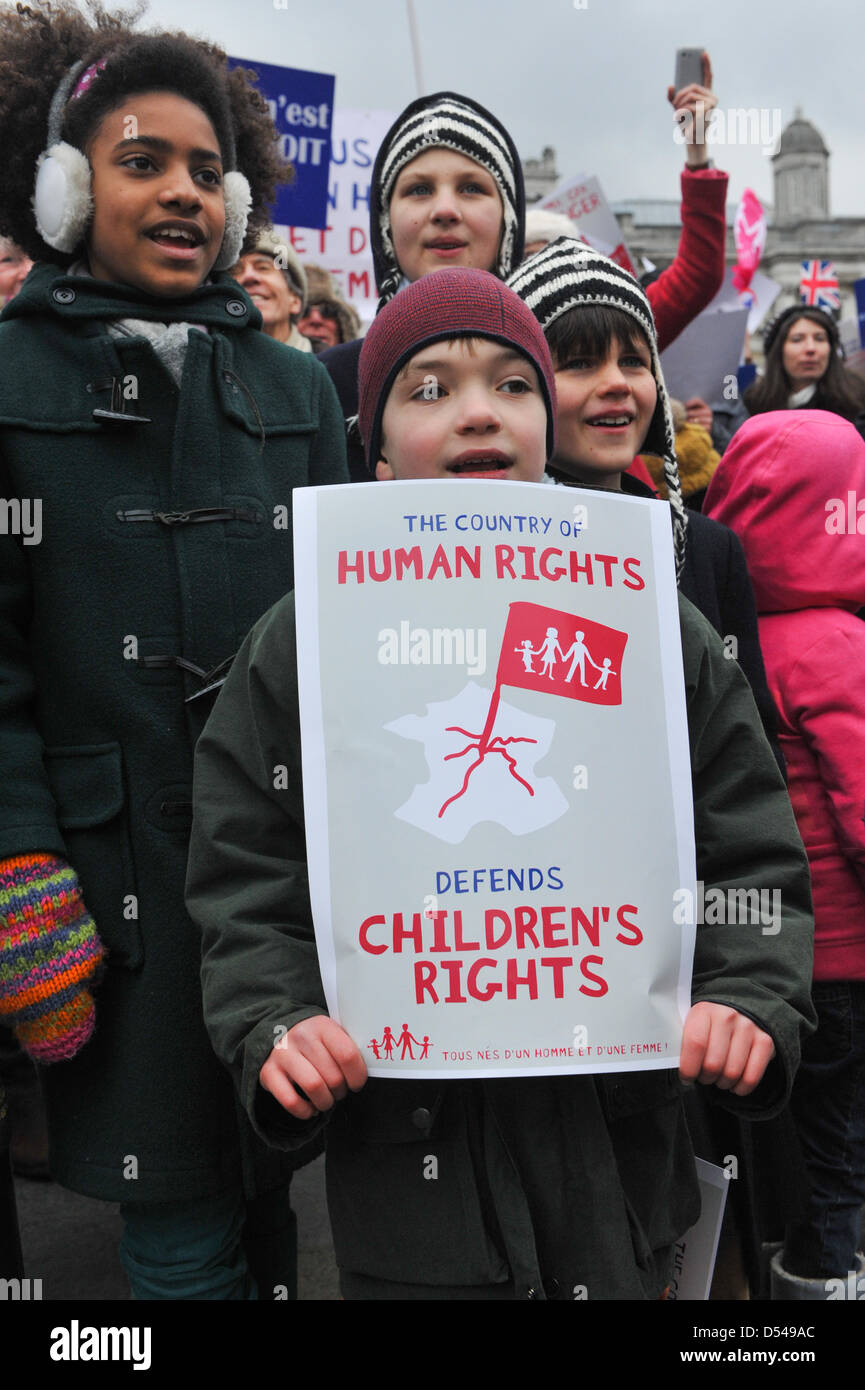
[[151, 621]]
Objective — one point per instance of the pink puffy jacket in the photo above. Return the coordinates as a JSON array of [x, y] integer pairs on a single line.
[[792, 487]]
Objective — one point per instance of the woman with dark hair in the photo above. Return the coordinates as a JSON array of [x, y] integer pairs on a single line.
[[804, 368]]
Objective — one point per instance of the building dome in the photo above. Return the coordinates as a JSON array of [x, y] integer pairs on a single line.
[[801, 174], [801, 137]]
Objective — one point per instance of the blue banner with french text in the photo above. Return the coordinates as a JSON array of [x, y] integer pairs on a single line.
[[301, 104]]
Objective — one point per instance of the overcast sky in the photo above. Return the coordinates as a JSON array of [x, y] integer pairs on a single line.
[[588, 77]]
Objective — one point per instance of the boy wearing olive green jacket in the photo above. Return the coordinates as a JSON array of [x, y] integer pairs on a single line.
[[547, 1187]]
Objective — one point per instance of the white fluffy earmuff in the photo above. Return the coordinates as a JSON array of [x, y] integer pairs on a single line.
[[238, 201], [63, 201], [63, 196]]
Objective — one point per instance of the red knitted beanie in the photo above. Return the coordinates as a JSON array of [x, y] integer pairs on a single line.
[[449, 303]]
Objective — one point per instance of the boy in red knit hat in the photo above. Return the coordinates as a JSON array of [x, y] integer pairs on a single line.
[[547, 1186]]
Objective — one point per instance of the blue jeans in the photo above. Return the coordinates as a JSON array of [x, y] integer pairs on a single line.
[[828, 1105]]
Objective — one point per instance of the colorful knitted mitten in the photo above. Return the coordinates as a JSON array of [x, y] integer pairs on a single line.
[[49, 954]]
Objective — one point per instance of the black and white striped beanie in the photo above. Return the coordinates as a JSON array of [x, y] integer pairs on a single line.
[[568, 275], [453, 122]]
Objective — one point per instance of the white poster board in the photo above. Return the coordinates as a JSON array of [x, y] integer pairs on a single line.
[[496, 775], [757, 299], [703, 359], [582, 199], [694, 1255], [343, 247]]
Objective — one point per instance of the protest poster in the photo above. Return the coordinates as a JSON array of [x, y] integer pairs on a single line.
[[496, 775], [703, 360], [694, 1254], [757, 299], [848, 336], [582, 200], [853, 339], [342, 246], [301, 107]]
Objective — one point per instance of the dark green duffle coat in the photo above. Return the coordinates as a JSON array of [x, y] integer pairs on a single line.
[[96, 731], [560, 1186]]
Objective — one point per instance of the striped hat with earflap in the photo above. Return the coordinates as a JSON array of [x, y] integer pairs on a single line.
[[567, 275], [449, 121]]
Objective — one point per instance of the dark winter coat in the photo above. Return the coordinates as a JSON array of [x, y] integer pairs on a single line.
[[544, 1184], [162, 543], [715, 579]]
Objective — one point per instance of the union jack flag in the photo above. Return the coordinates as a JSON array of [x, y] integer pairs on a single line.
[[818, 285]]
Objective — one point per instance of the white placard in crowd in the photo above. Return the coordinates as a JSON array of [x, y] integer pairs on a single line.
[[694, 1255], [703, 360], [582, 200], [848, 333], [496, 775], [762, 293], [343, 246]]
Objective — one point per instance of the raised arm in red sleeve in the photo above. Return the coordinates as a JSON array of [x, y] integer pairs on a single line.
[[686, 287]]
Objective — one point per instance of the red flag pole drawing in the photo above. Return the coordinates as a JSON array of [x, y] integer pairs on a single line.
[[565, 646]]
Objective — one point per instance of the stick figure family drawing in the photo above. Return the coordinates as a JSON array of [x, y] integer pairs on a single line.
[[384, 1046], [578, 654]]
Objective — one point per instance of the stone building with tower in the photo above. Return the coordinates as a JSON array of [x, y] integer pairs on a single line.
[[800, 224]]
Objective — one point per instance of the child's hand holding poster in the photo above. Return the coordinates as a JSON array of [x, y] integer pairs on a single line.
[[495, 754]]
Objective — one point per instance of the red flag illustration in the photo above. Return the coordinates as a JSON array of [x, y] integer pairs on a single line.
[[560, 654], [553, 653]]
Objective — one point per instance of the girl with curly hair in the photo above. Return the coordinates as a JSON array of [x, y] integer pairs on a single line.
[[150, 439]]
